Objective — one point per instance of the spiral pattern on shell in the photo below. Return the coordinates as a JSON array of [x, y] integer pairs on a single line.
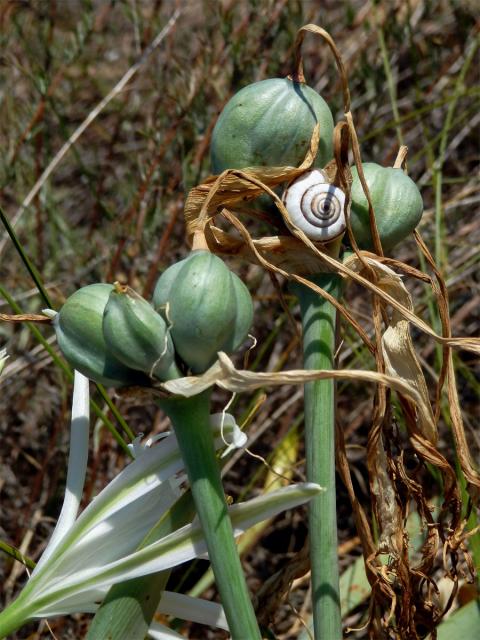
[[316, 206]]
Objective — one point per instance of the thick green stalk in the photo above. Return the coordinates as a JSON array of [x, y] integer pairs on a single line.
[[14, 616], [190, 418], [318, 321]]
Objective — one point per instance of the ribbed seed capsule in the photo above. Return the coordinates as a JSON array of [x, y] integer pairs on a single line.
[[78, 326], [138, 335], [396, 200], [270, 123], [208, 307]]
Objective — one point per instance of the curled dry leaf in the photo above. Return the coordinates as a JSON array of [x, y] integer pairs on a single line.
[[286, 254], [235, 187], [224, 374], [397, 347]]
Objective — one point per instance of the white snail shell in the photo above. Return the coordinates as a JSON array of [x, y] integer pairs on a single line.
[[316, 206]]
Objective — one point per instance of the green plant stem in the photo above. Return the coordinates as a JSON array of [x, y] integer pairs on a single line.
[[14, 616], [190, 418], [285, 450], [318, 322]]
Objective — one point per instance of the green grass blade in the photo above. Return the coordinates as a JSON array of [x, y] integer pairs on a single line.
[[32, 270]]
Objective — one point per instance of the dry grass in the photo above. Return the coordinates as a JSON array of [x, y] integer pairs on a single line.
[[112, 210]]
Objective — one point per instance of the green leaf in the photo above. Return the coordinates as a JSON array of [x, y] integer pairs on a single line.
[[464, 623]]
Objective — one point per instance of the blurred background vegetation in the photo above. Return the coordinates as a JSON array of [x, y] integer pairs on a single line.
[[112, 210]]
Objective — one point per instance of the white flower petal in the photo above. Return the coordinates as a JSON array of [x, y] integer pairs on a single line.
[[225, 421], [77, 465], [50, 313], [158, 631], [154, 465], [193, 609], [144, 477], [140, 480], [178, 547], [3, 359], [117, 520], [136, 447], [100, 548], [120, 533]]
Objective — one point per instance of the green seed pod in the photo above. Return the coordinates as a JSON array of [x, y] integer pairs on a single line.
[[208, 307], [396, 201], [78, 326], [138, 335], [270, 123]]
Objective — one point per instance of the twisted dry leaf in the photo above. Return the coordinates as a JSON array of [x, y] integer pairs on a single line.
[[224, 374], [398, 351]]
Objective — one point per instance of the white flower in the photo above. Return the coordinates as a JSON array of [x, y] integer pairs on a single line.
[[88, 554]]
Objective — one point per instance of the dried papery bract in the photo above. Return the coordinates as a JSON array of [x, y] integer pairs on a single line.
[[391, 520], [229, 188], [225, 375]]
